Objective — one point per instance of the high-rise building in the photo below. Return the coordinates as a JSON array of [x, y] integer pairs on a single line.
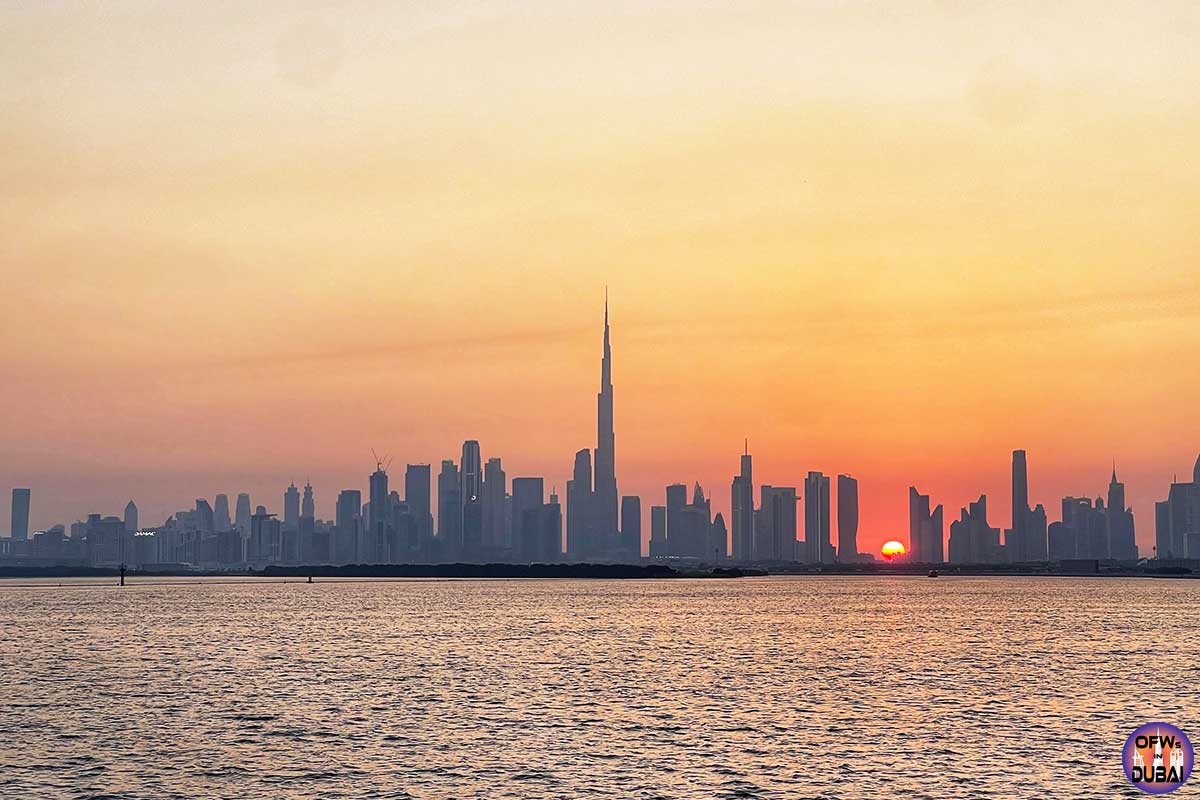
[[689, 525], [742, 510], [818, 547], [205, 521], [926, 531], [418, 491], [471, 472], [450, 510], [631, 527], [581, 508], [528, 496], [592, 523], [131, 518], [291, 508], [1020, 503], [972, 539], [20, 515], [775, 536], [495, 488], [676, 500], [308, 507], [718, 539], [348, 525], [221, 513], [242, 514], [379, 517], [847, 521], [658, 532], [606, 466]]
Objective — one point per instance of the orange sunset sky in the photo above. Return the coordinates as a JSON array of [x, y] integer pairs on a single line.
[[244, 243]]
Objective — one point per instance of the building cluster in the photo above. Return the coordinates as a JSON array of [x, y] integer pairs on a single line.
[[1088, 529], [474, 513]]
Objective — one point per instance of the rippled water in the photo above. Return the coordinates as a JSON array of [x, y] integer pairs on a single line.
[[775, 687]]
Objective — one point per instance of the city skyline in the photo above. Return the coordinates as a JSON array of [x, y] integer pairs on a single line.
[[595, 529]]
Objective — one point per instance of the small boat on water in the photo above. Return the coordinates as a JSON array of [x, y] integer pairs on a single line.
[[933, 573]]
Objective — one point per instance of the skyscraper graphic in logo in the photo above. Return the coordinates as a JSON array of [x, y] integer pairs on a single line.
[[1158, 758]]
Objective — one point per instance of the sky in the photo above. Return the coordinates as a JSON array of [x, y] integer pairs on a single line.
[[244, 244]]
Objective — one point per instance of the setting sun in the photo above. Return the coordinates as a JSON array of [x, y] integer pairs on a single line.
[[891, 549]]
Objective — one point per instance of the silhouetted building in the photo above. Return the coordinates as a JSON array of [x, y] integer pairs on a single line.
[[348, 532], [1018, 548], [972, 539], [1088, 528], [742, 510], [926, 530], [495, 489], [418, 491], [266, 539], [847, 507], [242, 514], [221, 520], [19, 530], [592, 524], [631, 527], [205, 520], [1177, 525], [658, 532], [818, 547], [528, 497], [775, 532], [1122, 542], [718, 539], [450, 510], [131, 518], [291, 508]]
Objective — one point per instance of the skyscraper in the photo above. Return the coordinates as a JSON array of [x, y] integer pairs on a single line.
[[926, 531], [291, 508], [818, 547], [242, 514], [847, 504], [348, 523], [972, 539], [131, 518], [20, 514], [631, 527], [592, 524], [1017, 541], [581, 508], [221, 513], [307, 505], [495, 488], [658, 532], [450, 509], [606, 467], [775, 538], [528, 495], [379, 517], [471, 472], [418, 491], [742, 510], [676, 500]]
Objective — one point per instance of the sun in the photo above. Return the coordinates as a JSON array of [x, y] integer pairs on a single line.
[[892, 549]]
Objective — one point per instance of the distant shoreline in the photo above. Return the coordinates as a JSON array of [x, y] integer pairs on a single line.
[[575, 571], [655, 571]]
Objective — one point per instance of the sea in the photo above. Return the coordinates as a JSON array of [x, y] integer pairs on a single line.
[[773, 687]]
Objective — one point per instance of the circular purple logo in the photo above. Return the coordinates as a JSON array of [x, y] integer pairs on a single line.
[[1158, 758]]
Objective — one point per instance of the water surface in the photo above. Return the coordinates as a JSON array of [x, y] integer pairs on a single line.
[[849, 687]]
